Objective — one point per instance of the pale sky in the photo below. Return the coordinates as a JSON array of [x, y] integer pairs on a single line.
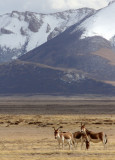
[[48, 6]]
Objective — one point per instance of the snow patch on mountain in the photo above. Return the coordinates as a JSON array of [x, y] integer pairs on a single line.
[[24, 31], [70, 77]]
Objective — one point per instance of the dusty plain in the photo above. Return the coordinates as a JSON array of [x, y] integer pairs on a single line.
[[26, 123]]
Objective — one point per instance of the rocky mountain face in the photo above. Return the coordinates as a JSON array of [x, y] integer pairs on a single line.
[[21, 32]]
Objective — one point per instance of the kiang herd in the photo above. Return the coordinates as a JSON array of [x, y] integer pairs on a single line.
[[83, 136]]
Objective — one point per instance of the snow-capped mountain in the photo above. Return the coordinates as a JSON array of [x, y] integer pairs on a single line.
[[85, 46], [80, 60], [21, 32], [100, 24]]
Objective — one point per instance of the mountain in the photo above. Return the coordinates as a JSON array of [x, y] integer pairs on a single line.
[[69, 63], [20, 77], [93, 54], [21, 32]]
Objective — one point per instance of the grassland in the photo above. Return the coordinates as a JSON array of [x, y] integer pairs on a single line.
[[26, 131]]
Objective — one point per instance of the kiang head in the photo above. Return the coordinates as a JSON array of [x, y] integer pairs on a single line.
[[56, 131], [83, 129]]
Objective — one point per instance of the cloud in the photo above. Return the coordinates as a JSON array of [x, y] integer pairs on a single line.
[[48, 6]]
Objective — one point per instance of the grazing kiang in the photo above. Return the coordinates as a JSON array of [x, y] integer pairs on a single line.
[[80, 137], [63, 137], [94, 137]]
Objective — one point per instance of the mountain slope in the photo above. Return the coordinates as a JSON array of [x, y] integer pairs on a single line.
[[70, 50], [21, 32], [21, 77], [67, 50]]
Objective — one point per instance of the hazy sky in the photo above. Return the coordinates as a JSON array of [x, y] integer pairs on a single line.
[[48, 6]]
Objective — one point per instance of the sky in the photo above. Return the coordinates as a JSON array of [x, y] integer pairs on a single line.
[[48, 6]]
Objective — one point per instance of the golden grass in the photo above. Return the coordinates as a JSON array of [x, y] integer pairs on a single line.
[[31, 140]]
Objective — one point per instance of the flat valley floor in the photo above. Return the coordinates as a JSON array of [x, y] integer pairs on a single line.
[[26, 123]]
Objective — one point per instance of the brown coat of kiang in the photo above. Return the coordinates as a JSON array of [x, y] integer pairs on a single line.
[[94, 137]]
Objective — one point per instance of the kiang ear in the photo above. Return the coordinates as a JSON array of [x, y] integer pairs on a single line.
[[82, 124], [60, 127], [53, 128]]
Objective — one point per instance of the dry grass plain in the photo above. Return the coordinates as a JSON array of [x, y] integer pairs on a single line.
[[26, 123]]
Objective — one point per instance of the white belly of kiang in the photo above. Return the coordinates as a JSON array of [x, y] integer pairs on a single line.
[[95, 140]]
